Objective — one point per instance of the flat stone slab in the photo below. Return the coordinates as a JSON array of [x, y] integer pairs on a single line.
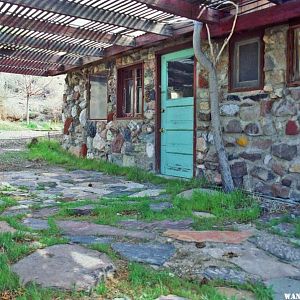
[[157, 225], [150, 253], [64, 267], [228, 274], [203, 214], [282, 286], [88, 240], [252, 260], [189, 193], [232, 293], [277, 246], [148, 193], [230, 237], [84, 210], [159, 207], [36, 224], [170, 297], [86, 229], [6, 228], [44, 212]]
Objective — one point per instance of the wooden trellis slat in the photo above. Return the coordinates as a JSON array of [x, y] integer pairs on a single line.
[[91, 13], [41, 43], [63, 30]]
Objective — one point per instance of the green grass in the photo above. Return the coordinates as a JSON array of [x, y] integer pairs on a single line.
[[141, 282], [283, 219], [21, 125]]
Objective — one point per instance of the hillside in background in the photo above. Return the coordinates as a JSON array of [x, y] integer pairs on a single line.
[[45, 105]]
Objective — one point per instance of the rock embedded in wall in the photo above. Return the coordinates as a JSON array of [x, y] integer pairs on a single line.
[[67, 125], [229, 110], [117, 143], [292, 127], [284, 151], [285, 108], [249, 113], [98, 143], [74, 111], [234, 126], [253, 129], [83, 117]]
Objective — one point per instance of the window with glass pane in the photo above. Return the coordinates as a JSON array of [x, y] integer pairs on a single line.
[[296, 56], [98, 97], [130, 91], [246, 71], [181, 78]]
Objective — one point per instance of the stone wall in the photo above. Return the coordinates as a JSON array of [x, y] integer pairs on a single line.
[[125, 142], [261, 129]]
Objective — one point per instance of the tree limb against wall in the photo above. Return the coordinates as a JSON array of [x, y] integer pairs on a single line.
[[210, 66]]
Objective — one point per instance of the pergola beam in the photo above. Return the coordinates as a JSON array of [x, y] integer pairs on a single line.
[[40, 56], [269, 16], [64, 30], [184, 9], [95, 14], [22, 71], [32, 64], [41, 43]]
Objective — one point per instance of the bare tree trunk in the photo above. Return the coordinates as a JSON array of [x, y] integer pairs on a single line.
[[27, 109], [214, 106]]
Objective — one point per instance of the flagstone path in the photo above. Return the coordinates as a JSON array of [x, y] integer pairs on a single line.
[[247, 254]]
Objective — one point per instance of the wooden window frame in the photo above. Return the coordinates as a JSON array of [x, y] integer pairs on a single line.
[[89, 94], [240, 39], [120, 92], [290, 54]]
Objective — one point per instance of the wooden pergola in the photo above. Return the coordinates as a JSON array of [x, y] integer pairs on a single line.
[[50, 37]]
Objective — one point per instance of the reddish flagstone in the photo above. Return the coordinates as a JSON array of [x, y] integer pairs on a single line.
[[230, 237]]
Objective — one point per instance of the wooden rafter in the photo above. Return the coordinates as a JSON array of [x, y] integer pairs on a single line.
[[184, 9], [63, 30], [273, 15], [41, 43], [40, 56], [91, 13], [23, 71]]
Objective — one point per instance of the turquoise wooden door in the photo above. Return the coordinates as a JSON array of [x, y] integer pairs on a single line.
[[177, 113]]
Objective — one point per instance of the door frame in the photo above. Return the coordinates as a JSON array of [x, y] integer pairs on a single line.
[[158, 55]]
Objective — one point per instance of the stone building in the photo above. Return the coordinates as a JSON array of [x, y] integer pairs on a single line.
[[147, 104], [260, 120]]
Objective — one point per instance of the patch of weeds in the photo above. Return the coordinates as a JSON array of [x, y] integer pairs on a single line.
[[227, 208], [285, 219], [101, 288], [105, 248], [8, 202], [140, 282]]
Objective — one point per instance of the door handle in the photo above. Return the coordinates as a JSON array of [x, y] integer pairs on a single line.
[[162, 110], [161, 130]]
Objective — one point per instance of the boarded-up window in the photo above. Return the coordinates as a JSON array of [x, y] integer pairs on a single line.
[[246, 64], [98, 97], [296, 56]]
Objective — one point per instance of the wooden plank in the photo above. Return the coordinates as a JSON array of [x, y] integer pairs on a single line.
[[22, 71], [91, 13], [63, 30], [266, 17], [40, 56], [184, 9], [40, 43]]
